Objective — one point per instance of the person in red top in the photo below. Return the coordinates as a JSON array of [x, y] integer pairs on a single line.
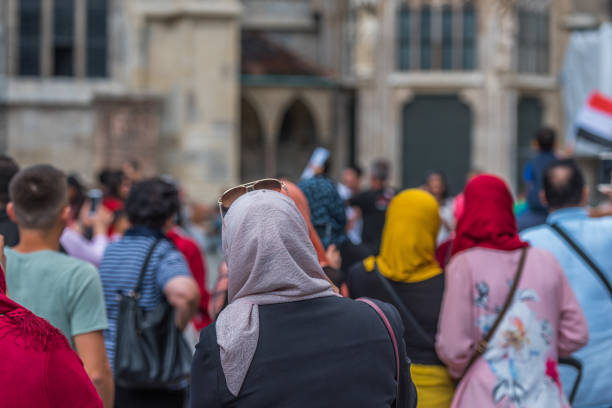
[[195, 261], [38, 366]]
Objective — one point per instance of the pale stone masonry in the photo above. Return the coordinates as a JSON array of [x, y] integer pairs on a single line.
[[177, 79]]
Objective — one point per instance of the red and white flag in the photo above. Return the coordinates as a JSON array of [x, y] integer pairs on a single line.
[[594, 122]]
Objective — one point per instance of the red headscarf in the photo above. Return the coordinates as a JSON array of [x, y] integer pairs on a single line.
[[488, 220]]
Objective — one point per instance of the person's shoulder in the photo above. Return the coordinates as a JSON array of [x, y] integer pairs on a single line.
[[604, 223], [74, 264], [33, 332], [208, 337], [388, 310], [535, 231]]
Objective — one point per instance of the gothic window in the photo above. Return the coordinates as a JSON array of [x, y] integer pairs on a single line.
[[447, 38], [436, 38], [426, 38], [97, 38], [469, 38], [404, 38], [63, 38], [533, 41], [58, 49], [29, 37]]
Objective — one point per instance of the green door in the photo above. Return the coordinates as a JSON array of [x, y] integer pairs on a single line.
[[529, 120], [436, 136]]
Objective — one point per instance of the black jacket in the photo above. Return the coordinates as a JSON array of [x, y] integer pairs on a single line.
[[326, 352], [423, 300]]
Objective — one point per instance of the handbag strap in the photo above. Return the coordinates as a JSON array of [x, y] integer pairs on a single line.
[[482, 345], [145, 266], [563, 234], [387, 324], [401, 306]]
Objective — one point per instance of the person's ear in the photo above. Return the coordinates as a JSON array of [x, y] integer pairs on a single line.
[[543, 198], [585, 196], [10, 211], [65, 215]]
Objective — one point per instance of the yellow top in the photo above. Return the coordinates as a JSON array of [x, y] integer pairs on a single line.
[[407, 252]]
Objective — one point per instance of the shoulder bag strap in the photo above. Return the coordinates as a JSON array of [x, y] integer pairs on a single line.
[[144, 267], [387, 324], [563, 234], [399, 304], [484, 343]]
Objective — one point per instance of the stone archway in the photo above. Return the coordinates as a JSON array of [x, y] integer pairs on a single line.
[[297, 139], [252, 144]]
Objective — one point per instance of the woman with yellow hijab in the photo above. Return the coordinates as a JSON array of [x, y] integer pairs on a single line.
[[405, 273]]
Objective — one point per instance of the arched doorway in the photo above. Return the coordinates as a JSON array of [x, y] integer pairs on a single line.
[[436, 135], [252, 151], [296, 140]]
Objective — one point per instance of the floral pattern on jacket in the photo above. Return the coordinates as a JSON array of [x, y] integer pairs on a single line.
[[520, 352]]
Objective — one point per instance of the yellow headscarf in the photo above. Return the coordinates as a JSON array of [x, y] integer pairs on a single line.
[[407, 252]]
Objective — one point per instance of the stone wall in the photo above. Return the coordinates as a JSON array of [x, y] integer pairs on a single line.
[[57, 135], [127, 128]]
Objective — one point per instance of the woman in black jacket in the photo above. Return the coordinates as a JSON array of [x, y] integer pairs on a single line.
[[286, 339]]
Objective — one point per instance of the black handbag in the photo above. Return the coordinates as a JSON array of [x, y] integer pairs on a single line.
[[150, 351]]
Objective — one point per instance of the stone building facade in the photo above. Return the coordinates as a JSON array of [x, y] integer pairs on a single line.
[[218, 91]]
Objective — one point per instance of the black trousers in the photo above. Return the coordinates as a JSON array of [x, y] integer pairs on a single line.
[[132, 398]]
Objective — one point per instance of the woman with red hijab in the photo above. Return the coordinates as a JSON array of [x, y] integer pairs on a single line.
[[37, 366], [543, 320]]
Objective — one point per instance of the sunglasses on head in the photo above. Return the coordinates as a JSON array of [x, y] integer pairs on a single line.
[[230, 196]]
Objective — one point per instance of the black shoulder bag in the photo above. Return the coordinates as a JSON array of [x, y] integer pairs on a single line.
[[150, 352]]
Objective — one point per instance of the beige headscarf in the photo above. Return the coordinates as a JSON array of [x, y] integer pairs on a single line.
[[270, 259]]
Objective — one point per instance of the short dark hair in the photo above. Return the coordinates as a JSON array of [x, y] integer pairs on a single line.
[[381, 169], [545, 138], [563, 184], [111, 181], [151, 203], [39, 194], [8, 169], [356, 169]]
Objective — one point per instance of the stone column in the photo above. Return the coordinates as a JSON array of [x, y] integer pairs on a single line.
[[190, 55], [495, 141], [46, 38], [80, 37]]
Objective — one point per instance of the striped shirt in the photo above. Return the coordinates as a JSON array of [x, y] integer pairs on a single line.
[[121, 266]]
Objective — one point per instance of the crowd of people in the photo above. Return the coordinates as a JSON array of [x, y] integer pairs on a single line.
[[328, 295]]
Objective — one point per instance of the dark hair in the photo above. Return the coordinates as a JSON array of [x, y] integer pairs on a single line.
[[380, 169], [151, 203], [111, 181], [563, 184], [39, 194], [133, 163], [545, 137], [444, 181], [79, 197], [356, 169], [8, 169]]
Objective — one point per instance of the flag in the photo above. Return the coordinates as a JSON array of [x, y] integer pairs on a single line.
[[594, 122]]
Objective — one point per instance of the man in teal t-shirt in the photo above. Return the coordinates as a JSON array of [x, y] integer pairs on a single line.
[[64, 290]]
